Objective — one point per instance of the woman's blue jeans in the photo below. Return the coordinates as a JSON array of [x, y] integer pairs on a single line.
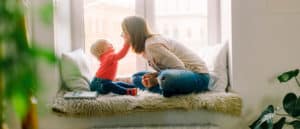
[[175, 82]]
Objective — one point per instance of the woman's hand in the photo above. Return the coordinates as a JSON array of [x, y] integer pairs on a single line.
[[150, 79]]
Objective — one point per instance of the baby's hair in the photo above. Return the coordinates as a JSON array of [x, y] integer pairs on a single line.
[[96, 50]]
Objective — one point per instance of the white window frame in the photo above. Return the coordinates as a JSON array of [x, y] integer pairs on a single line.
[[69, 24], [214, 21]]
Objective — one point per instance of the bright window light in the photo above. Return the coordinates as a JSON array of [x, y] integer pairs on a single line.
[[183, 20], [103, 21]]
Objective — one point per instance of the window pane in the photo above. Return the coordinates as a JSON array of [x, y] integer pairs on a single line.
[[103, 21], [184, 20]]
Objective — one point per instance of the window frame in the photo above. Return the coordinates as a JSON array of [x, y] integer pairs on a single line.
[[71, 15], [77, 26]]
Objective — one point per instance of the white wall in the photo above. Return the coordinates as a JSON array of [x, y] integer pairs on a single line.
[[43, 35], [265, 43]]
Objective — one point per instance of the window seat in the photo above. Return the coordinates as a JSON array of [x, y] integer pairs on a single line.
[[103, 105]]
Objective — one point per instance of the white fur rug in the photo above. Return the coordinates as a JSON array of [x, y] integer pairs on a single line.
[[229, 103]]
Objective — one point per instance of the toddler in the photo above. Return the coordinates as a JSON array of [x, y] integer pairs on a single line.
[[103, 81]]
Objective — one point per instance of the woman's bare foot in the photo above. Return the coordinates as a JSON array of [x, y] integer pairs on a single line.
[[150, 79]]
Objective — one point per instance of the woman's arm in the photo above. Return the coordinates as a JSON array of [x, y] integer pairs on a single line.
[[163, 58]]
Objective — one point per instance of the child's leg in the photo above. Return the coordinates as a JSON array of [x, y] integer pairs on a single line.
[[118, 89], [115, 88], [125, 85], [97, 85], [94, 84]]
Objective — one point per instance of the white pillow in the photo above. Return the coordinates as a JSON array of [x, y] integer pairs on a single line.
[[75, 70], [215, 58]]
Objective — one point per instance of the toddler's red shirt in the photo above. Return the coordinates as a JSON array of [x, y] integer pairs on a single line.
[[109, 63]]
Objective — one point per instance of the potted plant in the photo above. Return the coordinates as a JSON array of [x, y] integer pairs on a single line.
[[19, 80], [291, 105]]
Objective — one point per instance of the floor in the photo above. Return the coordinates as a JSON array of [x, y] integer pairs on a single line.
[[166, 127]]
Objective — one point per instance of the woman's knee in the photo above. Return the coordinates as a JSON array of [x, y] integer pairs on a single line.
[[179, 81], [170, 79]]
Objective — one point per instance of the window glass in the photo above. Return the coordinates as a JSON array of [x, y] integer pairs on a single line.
[[102, 19], [183, 20]]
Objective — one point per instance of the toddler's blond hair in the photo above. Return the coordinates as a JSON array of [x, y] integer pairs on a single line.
[[97, 47]]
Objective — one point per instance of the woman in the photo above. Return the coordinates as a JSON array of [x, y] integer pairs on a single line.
[[179, 70]]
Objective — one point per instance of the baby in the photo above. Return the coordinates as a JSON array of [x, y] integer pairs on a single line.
[[103, 80]]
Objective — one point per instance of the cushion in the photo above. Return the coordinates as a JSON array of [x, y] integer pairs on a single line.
[[75, 70], [215, 58], [222, 102]]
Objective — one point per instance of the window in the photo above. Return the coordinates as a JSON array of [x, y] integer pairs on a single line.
[[182, 15], [102, 20], [196, 23]]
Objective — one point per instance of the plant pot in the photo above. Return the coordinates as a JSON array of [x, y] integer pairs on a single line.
[[30, 121], [4, 126]]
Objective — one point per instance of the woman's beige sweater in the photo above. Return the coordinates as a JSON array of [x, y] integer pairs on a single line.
[[163, 53]]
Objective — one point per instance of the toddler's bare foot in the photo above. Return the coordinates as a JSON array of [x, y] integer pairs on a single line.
[[131, 91]]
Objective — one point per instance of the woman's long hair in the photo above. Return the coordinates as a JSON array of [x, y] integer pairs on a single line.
[[138, 31]]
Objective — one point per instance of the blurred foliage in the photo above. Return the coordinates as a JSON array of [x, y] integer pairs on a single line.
[[19, 55], [46, 13], [291, 105]]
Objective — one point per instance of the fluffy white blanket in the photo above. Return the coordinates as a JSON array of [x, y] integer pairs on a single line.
[[228, 103]]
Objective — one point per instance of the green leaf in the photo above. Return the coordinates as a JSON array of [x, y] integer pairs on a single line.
[[280, 123], [295, 124], [264, 121], [44, 53], [291, 104], [5, 63], [297, 108], [20, 104], [284, 77]]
